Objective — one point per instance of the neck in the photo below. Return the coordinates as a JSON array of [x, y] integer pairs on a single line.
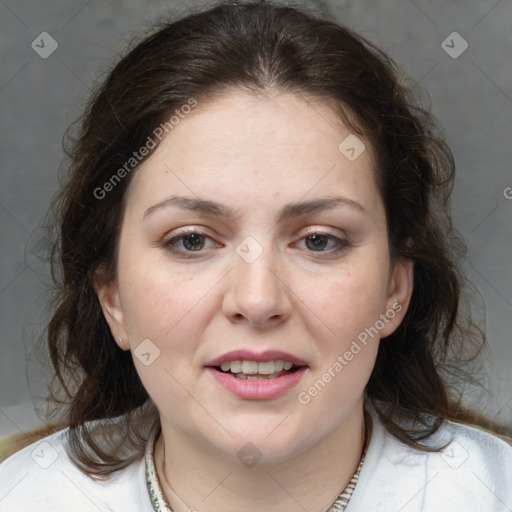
[[310, 480]]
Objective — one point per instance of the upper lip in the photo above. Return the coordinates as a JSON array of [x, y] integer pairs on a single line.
[[249, 355]]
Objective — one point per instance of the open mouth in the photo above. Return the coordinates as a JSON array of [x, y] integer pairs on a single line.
[[252, 370], [258, 380]]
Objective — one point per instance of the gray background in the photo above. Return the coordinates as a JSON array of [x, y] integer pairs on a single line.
[[471, 95]]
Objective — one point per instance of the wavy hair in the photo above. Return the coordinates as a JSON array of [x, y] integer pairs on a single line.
[[258, 47]]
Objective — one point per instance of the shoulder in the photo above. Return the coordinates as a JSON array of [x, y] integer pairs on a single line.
[[41, 476], [484, 446], [474, 457], [473, 471]]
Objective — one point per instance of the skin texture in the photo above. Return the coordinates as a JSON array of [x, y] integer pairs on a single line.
[[254, 154]]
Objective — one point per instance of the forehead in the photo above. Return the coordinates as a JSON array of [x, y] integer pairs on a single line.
[[240, 145]]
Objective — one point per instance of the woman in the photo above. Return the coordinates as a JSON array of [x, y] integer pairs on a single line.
[[259, 296]]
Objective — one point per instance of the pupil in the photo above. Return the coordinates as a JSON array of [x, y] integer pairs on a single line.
[[195, 240], [318, 241]]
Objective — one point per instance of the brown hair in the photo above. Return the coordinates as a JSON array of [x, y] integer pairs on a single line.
[[257, 47]]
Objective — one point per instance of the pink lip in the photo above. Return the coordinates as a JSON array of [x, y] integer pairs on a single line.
[[267, 355], [261, 389]]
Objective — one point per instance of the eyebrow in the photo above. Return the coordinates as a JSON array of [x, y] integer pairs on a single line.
[[289, 211]]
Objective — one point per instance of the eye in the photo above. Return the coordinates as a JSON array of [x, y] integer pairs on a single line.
[[190, 241], [318, 242]]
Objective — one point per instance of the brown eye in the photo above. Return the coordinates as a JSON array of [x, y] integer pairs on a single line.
[[186, 243], [324, 243], [317, 242], [193, 242]]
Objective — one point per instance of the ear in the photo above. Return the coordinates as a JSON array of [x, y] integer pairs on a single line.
[[108, 296], [400, 288]]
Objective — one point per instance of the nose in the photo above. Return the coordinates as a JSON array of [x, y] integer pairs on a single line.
[[258, 293]]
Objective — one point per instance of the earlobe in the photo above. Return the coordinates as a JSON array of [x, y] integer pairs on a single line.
[[108, 297], [399, 295]]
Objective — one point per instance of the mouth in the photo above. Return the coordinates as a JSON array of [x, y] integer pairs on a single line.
[[254, 376], [258, 370]]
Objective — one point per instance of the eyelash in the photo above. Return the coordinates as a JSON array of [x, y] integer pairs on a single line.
[[169, 243]]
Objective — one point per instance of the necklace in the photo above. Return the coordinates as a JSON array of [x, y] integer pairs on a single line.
[[160, 503]]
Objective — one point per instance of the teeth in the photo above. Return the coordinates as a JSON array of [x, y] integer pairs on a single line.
[[249, 367], [236, 366], [278, 365], [255, 368], [266, 368], [255, 377]]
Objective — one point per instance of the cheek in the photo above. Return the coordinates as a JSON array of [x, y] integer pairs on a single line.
[[349, 308], [155, 298], [351, 301], [164, 316]]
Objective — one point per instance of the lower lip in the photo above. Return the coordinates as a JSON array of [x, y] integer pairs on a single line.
[[260, 389]]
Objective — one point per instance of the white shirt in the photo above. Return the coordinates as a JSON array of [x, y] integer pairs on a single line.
[[474, 473]]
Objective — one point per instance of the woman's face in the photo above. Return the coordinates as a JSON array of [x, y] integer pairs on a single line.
[[252, 229]]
